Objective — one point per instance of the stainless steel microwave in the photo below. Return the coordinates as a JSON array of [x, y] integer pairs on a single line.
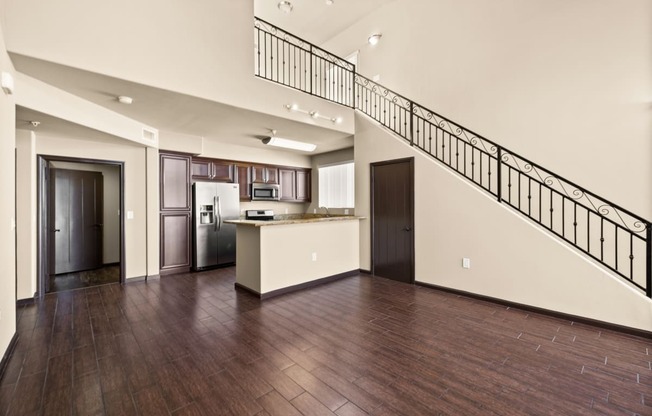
[[264, 192]]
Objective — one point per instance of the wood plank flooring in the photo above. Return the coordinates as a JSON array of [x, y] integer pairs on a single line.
[[192, 345]]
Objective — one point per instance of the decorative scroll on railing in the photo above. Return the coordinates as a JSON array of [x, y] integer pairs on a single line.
[[618, 239], [289, 60]]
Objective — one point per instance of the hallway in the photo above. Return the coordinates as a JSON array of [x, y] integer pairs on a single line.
[[192, 345]]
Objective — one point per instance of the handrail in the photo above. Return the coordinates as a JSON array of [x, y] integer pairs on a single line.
[[608, 233]]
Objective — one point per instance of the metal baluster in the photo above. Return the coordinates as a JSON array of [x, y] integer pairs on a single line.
[[631, 256], [509, 185], [575, 223], [520, 175], [499, 175], [551, 210], [602, 239], [529, 197], [648, 260], [616, 246]]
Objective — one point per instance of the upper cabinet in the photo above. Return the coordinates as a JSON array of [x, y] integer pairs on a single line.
[[175, 182], [303, 182], [288, 180], [264, 174], [294, 184], [213, 170], [243, 176]]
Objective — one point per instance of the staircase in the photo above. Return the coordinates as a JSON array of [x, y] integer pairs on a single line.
[[618, 239]]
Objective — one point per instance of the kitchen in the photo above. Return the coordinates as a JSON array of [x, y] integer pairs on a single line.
[[286, 194]]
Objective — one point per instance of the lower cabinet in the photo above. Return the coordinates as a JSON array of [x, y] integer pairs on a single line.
[[175, 242]]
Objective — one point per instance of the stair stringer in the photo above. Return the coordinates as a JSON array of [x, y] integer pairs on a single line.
[[512, 258]]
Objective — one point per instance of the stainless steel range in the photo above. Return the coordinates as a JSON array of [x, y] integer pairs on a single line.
[[259, 214]]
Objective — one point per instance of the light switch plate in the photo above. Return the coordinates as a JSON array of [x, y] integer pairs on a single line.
[[130, 215]]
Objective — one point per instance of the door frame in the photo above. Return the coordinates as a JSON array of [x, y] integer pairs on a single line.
[[372, 166], [42, 210]]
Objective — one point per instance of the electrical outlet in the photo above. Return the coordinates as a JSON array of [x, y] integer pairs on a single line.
[[346, 211], [314, 256], [466, 263], [286, 210], [314, 210]]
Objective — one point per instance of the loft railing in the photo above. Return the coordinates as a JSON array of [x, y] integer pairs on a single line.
[[613, 236], [289, 60]]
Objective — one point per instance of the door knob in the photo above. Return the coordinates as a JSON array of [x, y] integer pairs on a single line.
[[56, 230], [407, 229]]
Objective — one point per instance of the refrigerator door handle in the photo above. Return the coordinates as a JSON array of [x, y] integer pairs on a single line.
[[216, 219], [218, 223]]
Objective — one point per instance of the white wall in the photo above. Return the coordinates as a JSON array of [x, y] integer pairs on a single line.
[[565, 83], [26, 214], [511, 258], [7, 207]]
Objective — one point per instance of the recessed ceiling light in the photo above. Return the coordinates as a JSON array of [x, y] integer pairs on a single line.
[[123, 99], [285, 6], [373, 39], [330, 2]]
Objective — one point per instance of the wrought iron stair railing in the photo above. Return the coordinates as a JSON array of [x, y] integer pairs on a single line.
[[613, 236]]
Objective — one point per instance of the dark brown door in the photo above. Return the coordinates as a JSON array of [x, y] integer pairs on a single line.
[[76, 201], [392, 217]]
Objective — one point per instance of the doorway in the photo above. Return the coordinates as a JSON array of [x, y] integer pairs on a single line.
[[392, 219], [80, 223]]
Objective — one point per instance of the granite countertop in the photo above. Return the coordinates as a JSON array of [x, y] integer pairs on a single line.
[[295, 219]]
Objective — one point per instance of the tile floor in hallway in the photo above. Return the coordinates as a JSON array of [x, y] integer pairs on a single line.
[[192, 345]]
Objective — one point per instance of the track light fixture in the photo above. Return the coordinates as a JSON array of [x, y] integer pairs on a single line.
[[312, 113]]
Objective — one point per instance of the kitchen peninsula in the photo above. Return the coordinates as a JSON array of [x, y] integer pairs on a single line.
[[283, 255]]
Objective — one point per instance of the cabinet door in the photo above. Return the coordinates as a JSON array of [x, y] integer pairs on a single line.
[[201, 169], [175, 182], [243, 173], [303, 186], [175, 241], [287, 184], [258, 174], [222, 171], [271, 175]]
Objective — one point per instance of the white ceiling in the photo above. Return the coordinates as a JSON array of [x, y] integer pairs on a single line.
[[312, 20], [169, 111]]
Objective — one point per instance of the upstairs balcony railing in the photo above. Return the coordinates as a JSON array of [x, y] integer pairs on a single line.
[[296, 63], [613, 236]]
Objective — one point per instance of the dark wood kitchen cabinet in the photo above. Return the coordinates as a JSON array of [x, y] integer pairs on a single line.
[[303, 185], [294, 184], [175, 182], [243, 176], [175, 242], [264, 174], [287, 181], [175, 212], [213, 170]]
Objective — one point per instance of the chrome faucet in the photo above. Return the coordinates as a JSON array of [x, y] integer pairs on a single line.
[[328, 214]]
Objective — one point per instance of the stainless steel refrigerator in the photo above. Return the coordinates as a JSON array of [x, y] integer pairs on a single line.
[[214, 241]]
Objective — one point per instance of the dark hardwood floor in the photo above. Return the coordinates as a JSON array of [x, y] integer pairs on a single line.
[[86, 278], [192, 345]]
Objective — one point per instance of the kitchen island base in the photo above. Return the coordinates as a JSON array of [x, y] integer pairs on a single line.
[[274, 258]]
